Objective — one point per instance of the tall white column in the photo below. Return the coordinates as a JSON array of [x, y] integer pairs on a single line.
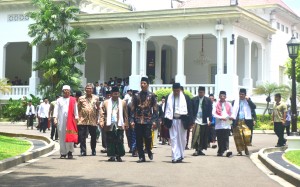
[[134, 79], [34, 80], [82, 68], [248, 81], [231, 54], [219, 78], [260, 67], [180, 77], [2, 60], [158, 48], [143, 52], [102, 65]]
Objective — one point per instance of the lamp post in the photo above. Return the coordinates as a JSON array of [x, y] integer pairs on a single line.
[[293, 48]]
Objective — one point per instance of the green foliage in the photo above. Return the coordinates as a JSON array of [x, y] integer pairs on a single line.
[[15, 110], [264, 122], [288, 65], [5, 87], [166, 91], [10, 147], [293, 157], [65, 46]]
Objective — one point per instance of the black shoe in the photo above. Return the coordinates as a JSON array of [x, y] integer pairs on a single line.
[[141, 160], [63, 156], [214, 146], [201, 153], [150, 155], [103, 151], [187, 148], [111, 159], [83, 154], [219, 154], [174, 161], [229, 153], [119, 159], [93, 153], [70, 155]]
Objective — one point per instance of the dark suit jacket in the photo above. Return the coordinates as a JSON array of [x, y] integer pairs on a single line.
[[206, 108]]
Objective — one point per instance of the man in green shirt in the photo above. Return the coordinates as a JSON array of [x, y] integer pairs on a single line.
[[278, 118]]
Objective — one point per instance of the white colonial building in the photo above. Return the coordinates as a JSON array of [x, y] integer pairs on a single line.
[[213, 43]]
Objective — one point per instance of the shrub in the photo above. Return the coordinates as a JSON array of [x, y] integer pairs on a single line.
[[15, 110], [166, 91]]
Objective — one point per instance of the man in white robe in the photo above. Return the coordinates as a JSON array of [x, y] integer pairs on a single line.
[[178, 109], [60, 115]]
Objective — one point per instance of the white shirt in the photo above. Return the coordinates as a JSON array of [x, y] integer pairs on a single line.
[[220, 124], [246, 109], [98, 90], [28, 111], [199, 113], [44, 110]]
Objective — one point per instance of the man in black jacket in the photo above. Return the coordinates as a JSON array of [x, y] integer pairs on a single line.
[[243, 124], [202, 116]]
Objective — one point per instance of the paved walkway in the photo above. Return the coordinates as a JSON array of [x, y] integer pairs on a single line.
[[208, 170]]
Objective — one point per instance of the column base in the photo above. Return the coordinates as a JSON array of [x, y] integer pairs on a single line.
[[33, 83], [135, 82], [181, 79], [228, 83], [293, 143]]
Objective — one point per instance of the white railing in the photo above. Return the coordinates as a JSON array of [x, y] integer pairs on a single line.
[[17, 92], [193, 88]]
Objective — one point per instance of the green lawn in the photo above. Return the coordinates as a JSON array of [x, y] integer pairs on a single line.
[[293, 157], [10, 147]]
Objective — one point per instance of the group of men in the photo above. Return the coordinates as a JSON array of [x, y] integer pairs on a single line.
[[142, 114]]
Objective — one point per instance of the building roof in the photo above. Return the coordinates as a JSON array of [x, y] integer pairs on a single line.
[[242, 3]]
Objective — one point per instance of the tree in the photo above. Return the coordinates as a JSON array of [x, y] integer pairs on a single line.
[[269, 89], [65, 46], [288, 65], [5, 87]]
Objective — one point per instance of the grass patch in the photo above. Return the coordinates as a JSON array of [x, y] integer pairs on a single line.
[[10, 147], [4, 120], [293, 157]]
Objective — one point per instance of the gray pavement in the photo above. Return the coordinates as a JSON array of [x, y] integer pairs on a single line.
[[208, 170]]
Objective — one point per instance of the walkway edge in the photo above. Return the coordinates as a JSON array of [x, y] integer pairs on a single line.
[[282, 172], [29, 155]]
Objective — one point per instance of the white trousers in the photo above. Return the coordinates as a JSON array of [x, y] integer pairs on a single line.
[[178, 139], [65, 147]]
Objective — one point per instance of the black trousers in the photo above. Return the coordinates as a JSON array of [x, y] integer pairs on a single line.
[[44, 124], [223, 139], [279, 131], [143, 132], [30, 121], [82, 130], [54, 130], [287, 127], [103, 138]]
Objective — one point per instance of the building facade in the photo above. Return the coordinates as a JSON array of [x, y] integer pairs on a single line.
[[209, 43]]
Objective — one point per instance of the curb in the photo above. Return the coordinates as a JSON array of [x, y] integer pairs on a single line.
[[29, 155], [282, 172]]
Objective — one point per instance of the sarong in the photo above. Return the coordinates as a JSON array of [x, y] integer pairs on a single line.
[[115, 142], [241, 135], [200, 139]]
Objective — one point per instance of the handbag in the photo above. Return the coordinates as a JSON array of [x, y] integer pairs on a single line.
[[168, 122]]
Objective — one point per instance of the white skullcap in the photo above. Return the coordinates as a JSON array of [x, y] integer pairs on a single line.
[[66, 87]]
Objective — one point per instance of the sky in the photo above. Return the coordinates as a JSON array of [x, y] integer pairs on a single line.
[[294, 5], [160, 4]]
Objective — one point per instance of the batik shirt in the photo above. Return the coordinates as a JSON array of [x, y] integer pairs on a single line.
[[144, 108], [88, 109]]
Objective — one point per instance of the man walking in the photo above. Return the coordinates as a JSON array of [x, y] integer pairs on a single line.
[[88, 111], [222, 112], [144, 116], [279, 118], [243, 120], [178, 114], [44, 115], [202, 116], [114, 119], [65, 114], [30, 113]]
